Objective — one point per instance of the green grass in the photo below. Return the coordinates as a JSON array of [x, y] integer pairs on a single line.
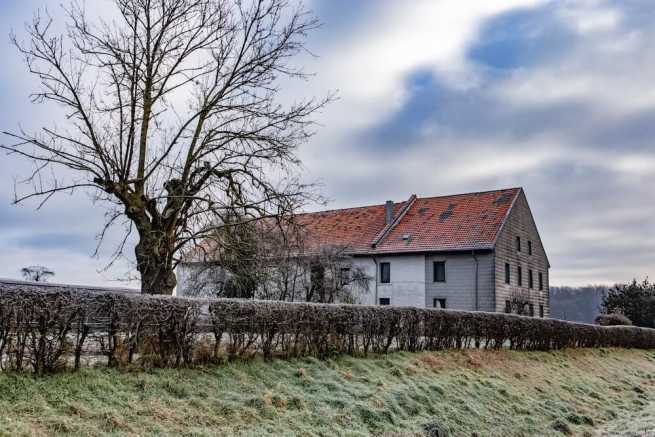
[[492, 393]]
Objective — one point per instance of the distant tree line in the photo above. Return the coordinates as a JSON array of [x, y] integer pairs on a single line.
[[578, 304]]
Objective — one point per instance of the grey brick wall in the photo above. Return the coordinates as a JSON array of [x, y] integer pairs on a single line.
[[521, 223]]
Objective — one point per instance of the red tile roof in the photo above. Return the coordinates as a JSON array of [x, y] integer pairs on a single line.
[[354, 228], [458, 222]]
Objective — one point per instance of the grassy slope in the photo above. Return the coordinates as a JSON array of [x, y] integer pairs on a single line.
[[492, 393]]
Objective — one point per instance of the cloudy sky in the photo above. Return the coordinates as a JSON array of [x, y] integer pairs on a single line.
[[435, 97]]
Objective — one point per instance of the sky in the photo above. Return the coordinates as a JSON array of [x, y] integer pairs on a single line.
[[435, 97]]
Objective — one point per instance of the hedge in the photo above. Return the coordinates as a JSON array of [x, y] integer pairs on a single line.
[[47, 329]]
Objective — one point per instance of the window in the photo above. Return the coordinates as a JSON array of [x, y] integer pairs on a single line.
[[317, 277], [385, 301], [541, 311], [519, 276], [385, 273], [439, 303], [531, 310], [529, 247], [530, 279], [518, 244], [439, 271], [507, 273], [541, 281], [508, 306], [344, 275]]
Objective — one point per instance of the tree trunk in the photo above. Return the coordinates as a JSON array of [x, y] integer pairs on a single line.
[[155, 264]]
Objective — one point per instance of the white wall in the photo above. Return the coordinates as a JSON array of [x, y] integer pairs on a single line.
[[197, 280], [368, 267], [411, 281]]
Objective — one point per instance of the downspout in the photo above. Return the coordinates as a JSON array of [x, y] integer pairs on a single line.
[[477, 268], [375, 261]]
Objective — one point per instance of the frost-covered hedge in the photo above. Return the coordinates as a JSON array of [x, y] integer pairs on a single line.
[[46, 329]]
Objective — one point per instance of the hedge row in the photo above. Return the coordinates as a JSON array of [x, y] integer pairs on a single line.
[[44, 330]]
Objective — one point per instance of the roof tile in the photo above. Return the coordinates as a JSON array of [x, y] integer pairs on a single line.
[[457, 222]]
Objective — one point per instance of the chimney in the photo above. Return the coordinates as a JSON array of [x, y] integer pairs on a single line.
[[388, 212]]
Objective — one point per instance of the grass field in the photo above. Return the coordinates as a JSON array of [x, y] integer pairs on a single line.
[[582, 392]]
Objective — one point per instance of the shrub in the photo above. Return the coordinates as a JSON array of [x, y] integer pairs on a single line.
[[635, 299], [613, 319], [46, 329]]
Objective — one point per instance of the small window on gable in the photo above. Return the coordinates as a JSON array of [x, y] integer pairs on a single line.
[[529, 247], [541, 281], [519, 276], [508, 306], [439, 303], [439, 271], [518, 244], [507, 273], [530, 279], [385, 301], [385, 273]]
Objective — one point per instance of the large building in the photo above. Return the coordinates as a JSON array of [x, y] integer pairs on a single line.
[[477, 251]]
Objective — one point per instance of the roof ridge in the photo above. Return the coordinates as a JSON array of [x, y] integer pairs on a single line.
[[472, 192], [417, 197], [344, 209]]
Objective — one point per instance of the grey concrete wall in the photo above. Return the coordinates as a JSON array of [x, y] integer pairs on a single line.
[[407, 286], [459, 287], [521, 223]]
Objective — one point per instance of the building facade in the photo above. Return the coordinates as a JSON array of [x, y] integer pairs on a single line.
[[476, 251]]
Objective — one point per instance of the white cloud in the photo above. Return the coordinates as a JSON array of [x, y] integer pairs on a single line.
[[590, 16], [368, 66], [610, 66]]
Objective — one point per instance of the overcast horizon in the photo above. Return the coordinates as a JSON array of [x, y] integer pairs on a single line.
[[442, 97]]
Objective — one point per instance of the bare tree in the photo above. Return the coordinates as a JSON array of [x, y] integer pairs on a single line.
[[271, 260], [173, 118], [228, 263], [333, 277], [37, 273]]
